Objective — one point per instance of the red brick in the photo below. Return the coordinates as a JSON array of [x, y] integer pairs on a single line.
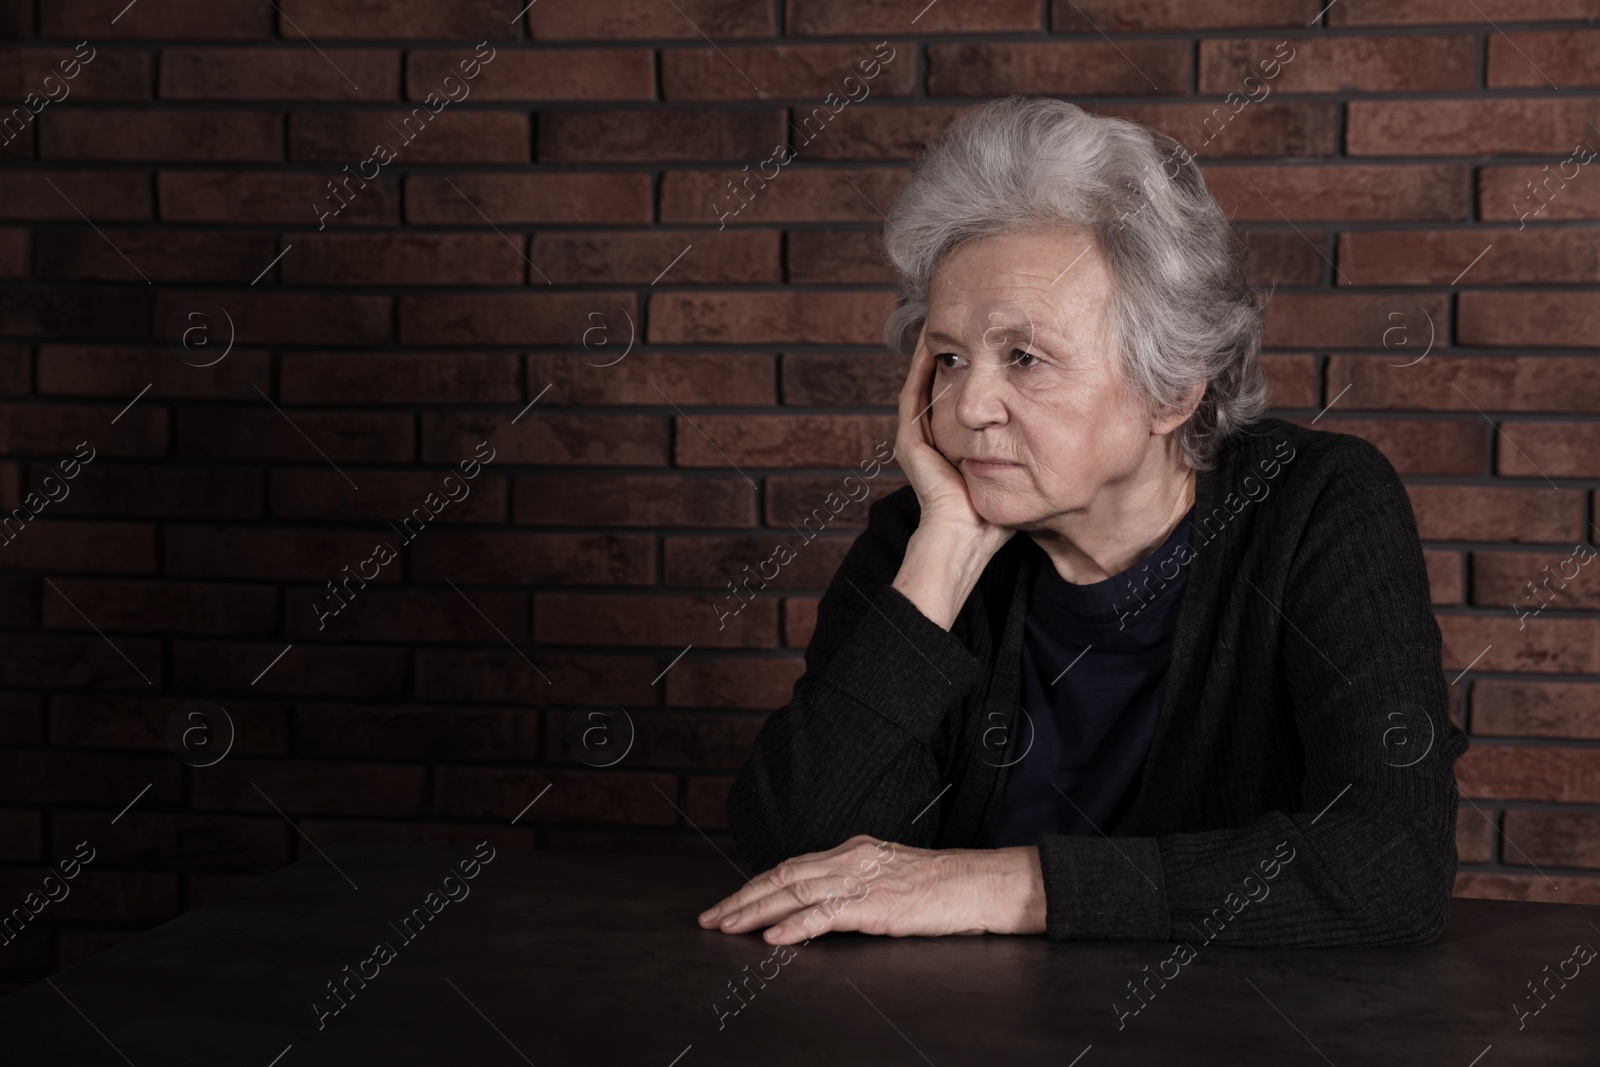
[[79, 945], [1415, 446], [54, 431], [634, 500], [74, 312], [784, 440], [1530, 772], [719, 562], [776, 318], [788, 72], [837, 256], [1496, 513], [540, 73], [322, 787], [1294, 257], [652, 378], [103, 779], [1464, 127], [661, 739], [278, 74], [1549, 449], [662, 621], [405, 259], [415, 733], [1059, 68], [100, 894], [416, 135], [791, 499], [723, 682], [741, 198], [451, 834], [1533, 196], [21, 836], [135, 490], [617, 135], [828, 18], [85, 547], [152, 607], [633, 19], [1444, 575], [1476, 836], [812, 378], [287, 197], [408, 377], [1467, 383], [161, 255], [110, 74], [311, 494], [574, 795], [21, 714], [291, 318], [524, 199], [166, 135], [1094, 16], [15, 256], [1386, 13], [647, 257], [1349, 320], [497, 674], [502, 318], [1536, 709], [1398, 192], [552, 439], [870, 133], [90, 720], [1536, 582], [261, 433], [408, 614], [325, 672], [177, 840], [1214, 130], [537, 558], [1410, 64], [799, 619], [1554, 888], [457, 19], [1439, 257], [707, 805], [1568, 57], [1554, 646], [1291, 380], [1552, 838], [314, 554], [54, 193], [1553, 318], [204, 19]]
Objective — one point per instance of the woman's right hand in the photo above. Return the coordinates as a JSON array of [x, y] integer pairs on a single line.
[[952, 543]]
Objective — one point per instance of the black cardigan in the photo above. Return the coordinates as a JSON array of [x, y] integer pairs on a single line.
[[1300, 778]]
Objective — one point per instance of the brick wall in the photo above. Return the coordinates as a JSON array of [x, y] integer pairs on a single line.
[[539, 264]]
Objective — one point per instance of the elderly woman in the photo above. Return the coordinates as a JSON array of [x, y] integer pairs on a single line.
[[1126, 659]]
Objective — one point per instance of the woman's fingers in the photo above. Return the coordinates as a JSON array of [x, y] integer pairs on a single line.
[[790, 871], [825, 895]]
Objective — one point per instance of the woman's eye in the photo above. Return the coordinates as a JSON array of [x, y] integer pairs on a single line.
[[1018, 356], [939, 359]]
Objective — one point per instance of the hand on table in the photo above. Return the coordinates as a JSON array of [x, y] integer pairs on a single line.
[[877, 887]]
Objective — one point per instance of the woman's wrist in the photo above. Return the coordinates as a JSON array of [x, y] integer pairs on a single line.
[[940, 571]]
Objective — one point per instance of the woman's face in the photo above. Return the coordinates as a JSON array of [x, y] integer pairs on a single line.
[[1025, 375]]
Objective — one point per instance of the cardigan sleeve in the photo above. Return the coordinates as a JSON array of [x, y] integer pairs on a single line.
[[1368, 857], [856, 749]]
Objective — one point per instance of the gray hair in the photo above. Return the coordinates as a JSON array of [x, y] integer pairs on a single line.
[[1182, 307]]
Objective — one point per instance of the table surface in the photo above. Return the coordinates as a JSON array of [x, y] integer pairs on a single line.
[[567, 958]]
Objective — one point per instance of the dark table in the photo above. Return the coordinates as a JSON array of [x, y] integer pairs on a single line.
[[556, 959]]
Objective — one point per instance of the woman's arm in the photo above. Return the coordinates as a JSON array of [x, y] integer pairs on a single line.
[[1369, 856]]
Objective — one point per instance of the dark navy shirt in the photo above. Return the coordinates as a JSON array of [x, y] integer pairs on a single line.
[[1094, 667]]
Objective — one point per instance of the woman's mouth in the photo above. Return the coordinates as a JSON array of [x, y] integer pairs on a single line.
[[988, 467]]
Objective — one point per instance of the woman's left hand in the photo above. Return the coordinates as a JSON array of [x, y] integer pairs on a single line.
[[882, 888]]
